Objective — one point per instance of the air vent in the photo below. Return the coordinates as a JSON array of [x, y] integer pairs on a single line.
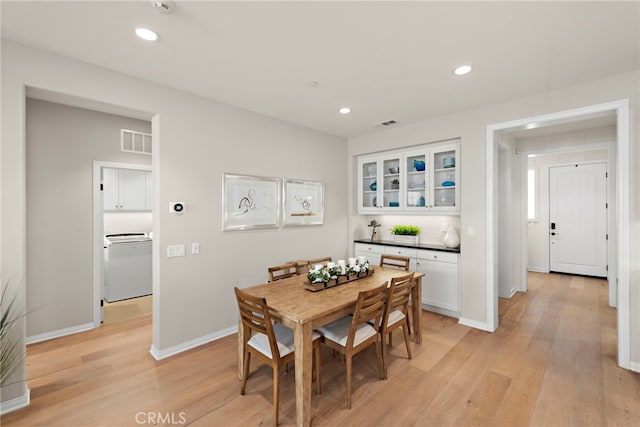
[[386, 123], [132, 141]]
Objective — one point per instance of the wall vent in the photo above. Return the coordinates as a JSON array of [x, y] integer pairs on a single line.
[[132, 141]]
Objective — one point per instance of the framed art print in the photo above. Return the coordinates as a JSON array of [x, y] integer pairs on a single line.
[[250, 202], [303, 202]]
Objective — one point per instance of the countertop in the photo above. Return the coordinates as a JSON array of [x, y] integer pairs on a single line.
[[440, 248]]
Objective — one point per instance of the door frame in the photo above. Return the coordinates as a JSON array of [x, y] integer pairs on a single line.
[[98, 237], [621, 109], [608, 225]]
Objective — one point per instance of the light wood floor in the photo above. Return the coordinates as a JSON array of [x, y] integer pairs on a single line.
[[552, 362], [127, 309]]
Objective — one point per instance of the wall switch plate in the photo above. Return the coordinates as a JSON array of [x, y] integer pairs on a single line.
[[195, 248], [471, 231], [445, 226], [175, 250]]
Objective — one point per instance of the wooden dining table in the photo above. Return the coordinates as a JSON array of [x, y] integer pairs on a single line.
[[303, 311]]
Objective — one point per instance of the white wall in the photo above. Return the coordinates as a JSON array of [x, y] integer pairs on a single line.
[[538, 235], [470, 127], [127, 222], [195, 141], [62, 143]]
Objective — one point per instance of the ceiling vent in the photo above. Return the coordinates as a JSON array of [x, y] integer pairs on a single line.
[[386, 123]]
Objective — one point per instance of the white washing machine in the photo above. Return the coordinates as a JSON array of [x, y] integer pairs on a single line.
[[127, 266]]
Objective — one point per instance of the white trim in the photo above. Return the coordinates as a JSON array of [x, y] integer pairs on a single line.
[[538, 269], [59, 333], [188, 345], [634, 366], [15, 404], [98, 237], [621, 107], [474, 324], [524, 225]]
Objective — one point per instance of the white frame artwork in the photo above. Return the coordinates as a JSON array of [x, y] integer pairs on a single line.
[[303, 202], [250, 202]]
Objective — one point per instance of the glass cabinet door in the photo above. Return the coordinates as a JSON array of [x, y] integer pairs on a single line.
[[445, 178], [417, 195], [391, 195], [369, 184]]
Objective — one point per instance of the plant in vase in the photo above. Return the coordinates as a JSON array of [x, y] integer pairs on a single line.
[[395, 184], [11, 356], [406, 233]]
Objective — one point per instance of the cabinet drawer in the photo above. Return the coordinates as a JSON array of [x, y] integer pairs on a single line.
[[393, 250], [374, 249], [437, 256]]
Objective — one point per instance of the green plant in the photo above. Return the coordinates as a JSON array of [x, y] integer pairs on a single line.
[[395, 181], [405, 230], [11, 356]]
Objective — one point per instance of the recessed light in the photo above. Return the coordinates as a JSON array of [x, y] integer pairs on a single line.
[[146, 34], [344, 110], [463, 69]]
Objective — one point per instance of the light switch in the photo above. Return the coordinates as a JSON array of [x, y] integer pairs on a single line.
[[195, 248], [175, 250]]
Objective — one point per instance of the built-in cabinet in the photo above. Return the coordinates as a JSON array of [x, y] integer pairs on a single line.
[[440, 284], [420, 180], [126, 189]]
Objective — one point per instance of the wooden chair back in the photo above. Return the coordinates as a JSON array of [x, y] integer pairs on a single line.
[[283, 271], [395, 261], [255, 317], [369, 309], [398, 295]]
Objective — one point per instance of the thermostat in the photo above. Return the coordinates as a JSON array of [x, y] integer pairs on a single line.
[[176, 207]]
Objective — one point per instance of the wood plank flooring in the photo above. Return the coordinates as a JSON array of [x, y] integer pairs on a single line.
[[552, 362]]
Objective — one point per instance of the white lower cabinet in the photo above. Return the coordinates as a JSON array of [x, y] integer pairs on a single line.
[[371, 252], [440, 283]]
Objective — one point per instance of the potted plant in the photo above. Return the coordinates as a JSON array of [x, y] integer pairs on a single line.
[[406, 234], [395, 184], [11, 356]]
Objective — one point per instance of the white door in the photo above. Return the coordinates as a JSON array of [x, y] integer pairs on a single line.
[[578, 219]]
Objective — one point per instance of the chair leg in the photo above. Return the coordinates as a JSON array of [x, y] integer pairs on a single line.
[[318, 363], [384, 357], [406, 338], [381, 373], [245, 370], [390, 342], [276, 392], [348, 363]]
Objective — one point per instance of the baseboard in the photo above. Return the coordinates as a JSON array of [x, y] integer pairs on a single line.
[[439, 310], [538, 269], [59, 333], [15, 404], [474, 324], [188, 345], [634, 366]]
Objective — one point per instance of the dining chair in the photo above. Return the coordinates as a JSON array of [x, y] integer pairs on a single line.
[[283, 271], [395, 261], [272, 343], [350, 335], [396, 313]]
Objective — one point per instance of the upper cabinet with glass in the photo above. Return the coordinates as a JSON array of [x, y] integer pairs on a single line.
[[419, 180]]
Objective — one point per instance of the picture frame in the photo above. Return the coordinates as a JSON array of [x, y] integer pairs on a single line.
[[250, 202], [302, 202]]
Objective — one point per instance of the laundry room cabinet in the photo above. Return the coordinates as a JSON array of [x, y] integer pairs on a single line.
[[126, 189]]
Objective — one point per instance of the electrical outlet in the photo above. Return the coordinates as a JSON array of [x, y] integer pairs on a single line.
[[195, 248], [175, 251], [445, 226], [471, 231]]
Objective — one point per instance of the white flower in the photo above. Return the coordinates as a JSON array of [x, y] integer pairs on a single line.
[[356, 268]]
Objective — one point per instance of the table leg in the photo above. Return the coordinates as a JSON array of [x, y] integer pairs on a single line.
[[303, 362], [416, 305], [241, 333]]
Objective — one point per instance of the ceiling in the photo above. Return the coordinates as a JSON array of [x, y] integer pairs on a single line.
[[385, 60]]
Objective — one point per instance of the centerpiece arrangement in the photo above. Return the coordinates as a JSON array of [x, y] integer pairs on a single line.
[[333, 274]]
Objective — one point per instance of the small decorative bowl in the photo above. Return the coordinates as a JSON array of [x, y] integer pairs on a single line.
[[394, 204], [394, 169], [448, 162]]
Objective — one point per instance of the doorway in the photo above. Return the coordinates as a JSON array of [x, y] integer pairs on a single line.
[[620, 109]]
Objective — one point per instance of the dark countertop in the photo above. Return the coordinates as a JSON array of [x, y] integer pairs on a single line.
[[440, 248]]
